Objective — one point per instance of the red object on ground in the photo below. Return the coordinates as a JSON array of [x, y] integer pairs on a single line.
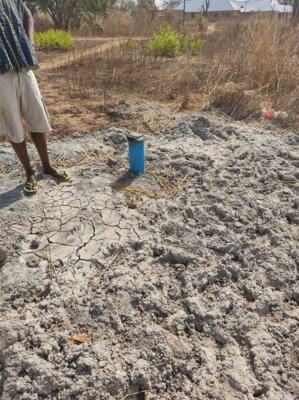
[[269, 114]]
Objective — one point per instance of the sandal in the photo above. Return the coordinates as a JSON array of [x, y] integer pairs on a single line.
[[30, 186], [62, 175]]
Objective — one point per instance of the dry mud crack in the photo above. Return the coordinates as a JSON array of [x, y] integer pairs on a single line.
[[189, 293]]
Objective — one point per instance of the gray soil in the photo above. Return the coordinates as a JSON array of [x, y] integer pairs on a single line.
[[187, 287]]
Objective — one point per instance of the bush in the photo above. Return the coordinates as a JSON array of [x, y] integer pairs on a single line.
[[166, 41], [202, 22], [196, 45], [129, 44], [54, 39]]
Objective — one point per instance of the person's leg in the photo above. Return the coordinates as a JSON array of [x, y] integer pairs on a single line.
[[40, 141], [11, 121], [36, 116], [22, 153]]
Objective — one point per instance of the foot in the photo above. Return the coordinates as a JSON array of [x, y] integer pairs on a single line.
[[2, 257], [30, 186], [61, 175], [50, 170]]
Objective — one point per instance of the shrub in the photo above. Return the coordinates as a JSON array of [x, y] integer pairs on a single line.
[[54, 39], [202, 22], [192, 45], [196, 45], [185, 43], [129, 44], [165, 41]]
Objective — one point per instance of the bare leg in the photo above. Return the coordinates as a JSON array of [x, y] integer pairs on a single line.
[[40, 141], [22, 153]]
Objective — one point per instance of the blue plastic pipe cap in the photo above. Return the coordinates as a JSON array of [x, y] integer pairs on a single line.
[[136, 154]]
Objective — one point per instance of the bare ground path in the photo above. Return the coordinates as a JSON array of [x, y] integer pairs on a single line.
[[98, 45]]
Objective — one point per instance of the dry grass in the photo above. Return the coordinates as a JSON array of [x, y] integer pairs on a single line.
[[171, 182], [118, 24], [171, 185], [245, 66], [89, 157]]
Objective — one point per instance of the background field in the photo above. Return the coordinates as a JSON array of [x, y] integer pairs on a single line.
[[245, 65]]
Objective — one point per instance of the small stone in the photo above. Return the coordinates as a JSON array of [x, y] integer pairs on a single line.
[[220, 337], [111, 162], [117, 135], [84, 365], [58, 263], [34, 244], [32, 261], [295, 294], [293, 217], [286, 177]]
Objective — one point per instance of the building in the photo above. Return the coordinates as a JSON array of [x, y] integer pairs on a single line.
[[231, 7]]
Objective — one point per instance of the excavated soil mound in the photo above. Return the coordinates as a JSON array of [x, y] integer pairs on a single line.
[[180, 284]]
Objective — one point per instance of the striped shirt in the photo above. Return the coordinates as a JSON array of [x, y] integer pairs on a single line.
[[16, 51]]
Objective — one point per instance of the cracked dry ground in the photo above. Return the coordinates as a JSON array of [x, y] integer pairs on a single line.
[[191, 293]]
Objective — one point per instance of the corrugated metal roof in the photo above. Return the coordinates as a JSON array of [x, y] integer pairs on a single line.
[[282, 8], [190, 6], [258, 5], [220, 5], [195, 6], [237, 4]]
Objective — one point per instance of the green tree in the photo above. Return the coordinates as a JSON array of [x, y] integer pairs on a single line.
[[64, 13], [127, 6], [102, 7], [145, 7], [67, 14]]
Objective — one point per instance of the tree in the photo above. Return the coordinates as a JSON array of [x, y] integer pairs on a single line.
[[296, 11], [66, 14], [205, 7], [100, 7], [145, 7], [127, 6]]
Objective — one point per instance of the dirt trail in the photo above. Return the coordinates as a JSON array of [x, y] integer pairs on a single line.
[[65, 59]]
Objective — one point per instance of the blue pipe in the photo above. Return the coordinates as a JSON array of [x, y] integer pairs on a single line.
[[137, 154]]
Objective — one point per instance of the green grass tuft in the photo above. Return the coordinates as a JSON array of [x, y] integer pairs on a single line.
[[168, 42], [54, 39]]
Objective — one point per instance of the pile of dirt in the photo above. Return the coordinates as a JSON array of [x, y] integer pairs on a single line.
[[180, 284]]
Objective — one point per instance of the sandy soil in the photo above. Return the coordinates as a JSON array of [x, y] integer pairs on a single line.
[[184, 281]]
